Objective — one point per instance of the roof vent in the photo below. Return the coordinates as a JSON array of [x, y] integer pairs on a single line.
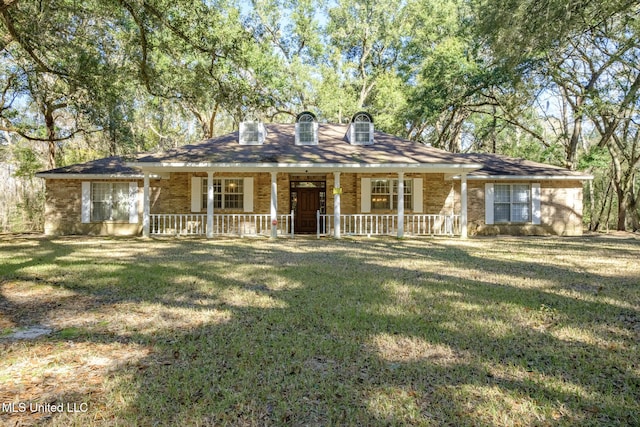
[[252, 133], [361, 129], [306, 129]]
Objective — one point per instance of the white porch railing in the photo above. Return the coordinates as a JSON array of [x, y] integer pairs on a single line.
[[387, 224], [223, 224]]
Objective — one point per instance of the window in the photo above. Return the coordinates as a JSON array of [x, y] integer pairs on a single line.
[[362, 132], [306, 127], [109, 201], [362, 128], [384, 194], [512, 203], [250, 134], [228, 193]]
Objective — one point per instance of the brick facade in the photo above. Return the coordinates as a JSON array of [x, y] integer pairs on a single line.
[[63, 211], [560, 206], [561, 202]]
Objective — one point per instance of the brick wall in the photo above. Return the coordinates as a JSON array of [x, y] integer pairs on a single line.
[[560, 208], [561, 202], [63, 210]]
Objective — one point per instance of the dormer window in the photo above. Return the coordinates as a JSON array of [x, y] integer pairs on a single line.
[[361, 129], [306, 129], [252, 133]]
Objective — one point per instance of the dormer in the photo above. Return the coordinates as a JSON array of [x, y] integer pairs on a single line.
[[306, 129], [252, 133], [360, 129]]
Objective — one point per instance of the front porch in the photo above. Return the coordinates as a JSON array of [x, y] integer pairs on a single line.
[[280, 204]]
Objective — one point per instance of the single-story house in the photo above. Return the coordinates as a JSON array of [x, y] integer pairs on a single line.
[[313, 178]]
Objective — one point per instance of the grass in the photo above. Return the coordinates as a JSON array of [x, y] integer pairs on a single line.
[[496, 332]]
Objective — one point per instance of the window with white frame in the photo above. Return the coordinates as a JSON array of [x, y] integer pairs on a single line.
[[384, 194], [306, 129], [109, 201], [512, 203], [362, 128], [251, 133], [228, 193]]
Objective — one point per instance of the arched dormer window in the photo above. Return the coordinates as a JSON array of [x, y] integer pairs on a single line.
[[252, 132], [361, 129], [306, 129]]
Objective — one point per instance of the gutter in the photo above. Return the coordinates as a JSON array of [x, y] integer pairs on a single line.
[[195, 166], [45, 175], [526, 177]]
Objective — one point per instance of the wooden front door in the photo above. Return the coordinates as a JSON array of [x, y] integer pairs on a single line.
[[307, 206]]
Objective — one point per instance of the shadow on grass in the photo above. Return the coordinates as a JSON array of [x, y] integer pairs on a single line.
[[378, 332]]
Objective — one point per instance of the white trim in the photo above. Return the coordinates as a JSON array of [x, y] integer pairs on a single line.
[[525, 177], [133, 203], [248, 194], [400, 204], [535, 204], [302, 167], [488, 203], [196, 194], [365, 195], [418, 196], [86, 203], [336, 205], [274, 204], [209, 204], [45, 175], [146, 207], [463, 206]]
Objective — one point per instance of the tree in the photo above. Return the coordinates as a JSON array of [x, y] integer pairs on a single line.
[[367, 39]]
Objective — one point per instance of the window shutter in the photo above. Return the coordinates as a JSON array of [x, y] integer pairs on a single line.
[[248, 194], [196, 194], [370, 133], [133, 203], [488, 204], [535, 203], [365, 195], [86, 203], [417, 195]]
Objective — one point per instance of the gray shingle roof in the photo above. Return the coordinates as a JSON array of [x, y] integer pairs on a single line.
[[108, 166], [499, 165], [333, 148]]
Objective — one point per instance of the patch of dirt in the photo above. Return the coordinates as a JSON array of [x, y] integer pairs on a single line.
[[29, 333]]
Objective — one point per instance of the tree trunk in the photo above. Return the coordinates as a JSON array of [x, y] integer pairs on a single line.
[[572, 148], [622, 209], [608, 219], [51, 136], [592, 206]]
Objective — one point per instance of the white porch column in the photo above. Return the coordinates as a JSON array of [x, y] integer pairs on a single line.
[[209, 205], [274, 204], [400, 204], [463, 205], [146, 210], [336, 204]]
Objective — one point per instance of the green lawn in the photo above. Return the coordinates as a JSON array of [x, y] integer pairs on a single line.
[[496, 332]]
